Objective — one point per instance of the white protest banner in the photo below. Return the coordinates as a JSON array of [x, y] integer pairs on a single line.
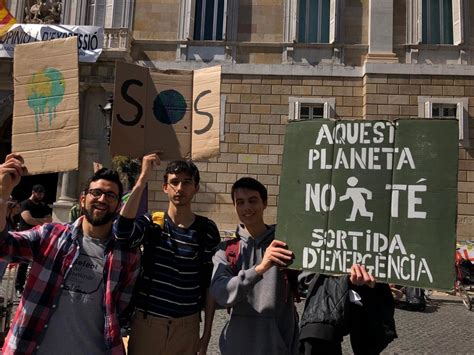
[[89, 38]]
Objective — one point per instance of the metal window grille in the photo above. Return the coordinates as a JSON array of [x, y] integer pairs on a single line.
[[443, 111], [209, 20], [311, 112]]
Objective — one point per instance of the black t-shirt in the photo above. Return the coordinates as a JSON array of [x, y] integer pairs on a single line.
[[37, 210]]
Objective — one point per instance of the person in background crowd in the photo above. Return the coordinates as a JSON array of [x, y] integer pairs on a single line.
[[13, 220], [177, 265], [34, 212], [81, 280]]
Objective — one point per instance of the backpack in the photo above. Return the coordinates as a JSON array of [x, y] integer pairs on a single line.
[[415, 297], [232, 252]]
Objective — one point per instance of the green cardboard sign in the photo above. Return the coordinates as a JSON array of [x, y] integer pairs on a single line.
[[379, 193]]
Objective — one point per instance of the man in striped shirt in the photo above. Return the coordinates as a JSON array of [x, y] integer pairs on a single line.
[[177, 265]]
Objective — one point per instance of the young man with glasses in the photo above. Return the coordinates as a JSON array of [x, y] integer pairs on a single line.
[[177, 265], [81, 279]]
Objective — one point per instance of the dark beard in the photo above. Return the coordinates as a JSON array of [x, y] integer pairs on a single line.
[[98, 221]]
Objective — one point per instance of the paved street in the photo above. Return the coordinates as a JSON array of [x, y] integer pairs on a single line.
[[446, 327]]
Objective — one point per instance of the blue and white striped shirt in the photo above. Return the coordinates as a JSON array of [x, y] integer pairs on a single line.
[[179, 267]]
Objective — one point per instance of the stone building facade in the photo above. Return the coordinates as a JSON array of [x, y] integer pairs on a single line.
[[291, 59]]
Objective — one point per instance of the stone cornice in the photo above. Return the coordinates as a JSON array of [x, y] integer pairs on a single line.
[[322, 70]]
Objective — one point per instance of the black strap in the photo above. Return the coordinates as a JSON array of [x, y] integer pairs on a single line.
[[149, 246]]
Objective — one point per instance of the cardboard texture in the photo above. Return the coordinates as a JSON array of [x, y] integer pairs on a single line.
[[378, 193], [46, 106], [166, 111], [206, 113]]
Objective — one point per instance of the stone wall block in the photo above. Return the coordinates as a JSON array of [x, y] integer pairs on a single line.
[[248, 159], [453, 90], [261, 109], [260, 128], [269, 139], [322, 91], [249, 138], [268, 159], [226, 177], [241, 88], [387, 89], [376, 99], [261, 89], [398, 99], [258, 149], [431, 90], [281, 89], [217, 167], [240, 108], [236, 168], [301, 90], [249, 99], [239, 128], [342, 91], [257, 169]]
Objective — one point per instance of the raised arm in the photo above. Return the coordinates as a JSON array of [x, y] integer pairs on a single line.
[[128, 228], [15, 246], [130, 208], [10, 175]]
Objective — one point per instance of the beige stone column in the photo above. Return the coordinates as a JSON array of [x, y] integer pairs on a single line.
[[68, 196], [381, 32]]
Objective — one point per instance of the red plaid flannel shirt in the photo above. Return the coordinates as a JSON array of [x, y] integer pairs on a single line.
[[52, 249]]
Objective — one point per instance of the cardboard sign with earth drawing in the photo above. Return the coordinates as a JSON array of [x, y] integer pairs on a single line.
[[46, 106], [379, 193]]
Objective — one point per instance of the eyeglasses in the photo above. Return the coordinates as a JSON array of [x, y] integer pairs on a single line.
[[109, 195]]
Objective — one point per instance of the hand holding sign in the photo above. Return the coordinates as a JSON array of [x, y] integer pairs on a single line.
[[148, 162], [277, 254], [360, 276], [10, 174]]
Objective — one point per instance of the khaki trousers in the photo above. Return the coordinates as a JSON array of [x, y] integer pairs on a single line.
[[167, 336]]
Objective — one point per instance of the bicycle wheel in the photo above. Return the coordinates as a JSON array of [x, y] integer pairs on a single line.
[[466, 300]]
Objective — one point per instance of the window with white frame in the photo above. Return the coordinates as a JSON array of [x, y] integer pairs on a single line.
[[313, 21], [449, 108], [210, 20], [310, 108], [95, 15], [435, 21], [109, 13], [310, 21]]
